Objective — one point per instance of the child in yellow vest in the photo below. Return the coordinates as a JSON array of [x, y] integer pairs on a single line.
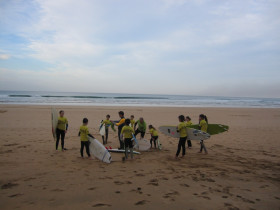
[[62, 127], [182, 129], [154, 136], [132, 121], [189, 122], [107, 124], [84, 133], [127, 133], [203, 124]]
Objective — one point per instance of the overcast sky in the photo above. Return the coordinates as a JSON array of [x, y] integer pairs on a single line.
[[191, 47]]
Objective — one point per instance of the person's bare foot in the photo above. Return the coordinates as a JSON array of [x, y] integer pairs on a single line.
[[199, 152], [182, 156]]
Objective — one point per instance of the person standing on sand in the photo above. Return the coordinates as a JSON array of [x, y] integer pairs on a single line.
[[141, 127], [84, 133], [62, 127], [120, 125], [127, 133], [107, 123], [203, 124], [154, 136], [189, 122], [182, 129]]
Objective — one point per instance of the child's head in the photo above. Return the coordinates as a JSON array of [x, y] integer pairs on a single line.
[[181, 118], [150, 126], [108, 116], [201, 117], [188, 118], [85, 121], [61, 113], [127, 121], [121, 113], [141, 119], [132, 117]]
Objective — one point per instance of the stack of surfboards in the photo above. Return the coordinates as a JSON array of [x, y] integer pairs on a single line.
[[193, 131]]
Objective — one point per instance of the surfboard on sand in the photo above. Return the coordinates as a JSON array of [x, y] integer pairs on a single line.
[[99, 151], [122, 151], [159, 146], [54, 122], [193, 134], [143, 145]]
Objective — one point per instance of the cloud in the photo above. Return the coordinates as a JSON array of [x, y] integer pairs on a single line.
[[4, 57]]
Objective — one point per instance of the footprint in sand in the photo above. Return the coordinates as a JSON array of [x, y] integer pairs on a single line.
[[153, 182], [101, 205], [15, 195], [141, 202], [8, 185]]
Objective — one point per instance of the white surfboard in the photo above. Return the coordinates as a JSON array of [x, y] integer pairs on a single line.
[[193, 134], [159, 146], [54, 122], [102, 129], [99, 151], [142, 145], [122, 151]]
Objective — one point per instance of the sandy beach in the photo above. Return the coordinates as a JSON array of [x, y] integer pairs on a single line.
[[241, 171]]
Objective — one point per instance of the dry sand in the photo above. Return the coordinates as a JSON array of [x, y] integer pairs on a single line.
[[241, 171]]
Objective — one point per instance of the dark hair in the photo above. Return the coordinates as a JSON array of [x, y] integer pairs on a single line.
[[150, 126], [132, 116], [121, 113], [181, 118], [202, 116], [187, 117], [108, 115], [61, 111], [85, 120], [127, 121]]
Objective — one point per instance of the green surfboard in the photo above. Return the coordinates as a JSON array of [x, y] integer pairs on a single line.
[[213, 128]]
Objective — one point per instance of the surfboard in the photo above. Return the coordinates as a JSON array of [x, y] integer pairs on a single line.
[[54, 122], [99, 151], [142, 145], [159, 146], [193, 134], [123, 151], [102, 129], [213, 129]]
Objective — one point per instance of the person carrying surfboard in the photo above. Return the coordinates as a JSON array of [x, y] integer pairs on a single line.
[[141, 127], [182, 129], [120, 125], [203, 124], [61, 130], [127, 133], [107, 123], [154, 136], [189, 122], [84, 133]]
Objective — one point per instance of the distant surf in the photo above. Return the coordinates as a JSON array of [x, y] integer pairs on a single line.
[[115, 99]]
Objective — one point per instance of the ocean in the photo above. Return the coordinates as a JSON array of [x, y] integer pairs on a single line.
[[118, 99]]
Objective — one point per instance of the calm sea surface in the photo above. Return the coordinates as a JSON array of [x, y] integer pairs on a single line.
[[114, 99]]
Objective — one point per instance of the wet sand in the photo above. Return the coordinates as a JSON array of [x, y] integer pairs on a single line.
[[241, 171]]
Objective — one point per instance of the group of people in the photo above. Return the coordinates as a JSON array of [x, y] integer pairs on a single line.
[[127, 130], [182, 129]]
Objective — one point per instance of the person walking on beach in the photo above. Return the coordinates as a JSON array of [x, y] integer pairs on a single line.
[[84, 133], [182, 129], [62, 127], [189, 122], [132, 121], [154, 136], [141, 127], [203, 124], [127, 133], [107, 123], [120, 125]]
